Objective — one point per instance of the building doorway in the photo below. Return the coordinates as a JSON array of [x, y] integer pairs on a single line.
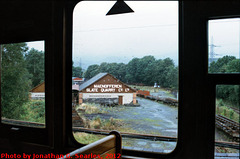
[[120, 100]]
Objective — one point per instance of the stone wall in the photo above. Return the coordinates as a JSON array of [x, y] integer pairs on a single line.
[[102, 101], [127, 97]]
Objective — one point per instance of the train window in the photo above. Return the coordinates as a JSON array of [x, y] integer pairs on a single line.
[[125, 74], [224, 53], [227, 120], [22, 84]]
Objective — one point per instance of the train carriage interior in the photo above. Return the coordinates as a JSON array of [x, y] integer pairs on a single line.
[[39, 94]]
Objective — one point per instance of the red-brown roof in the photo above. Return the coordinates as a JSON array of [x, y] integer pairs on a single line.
[[78, 79], [39, 88]]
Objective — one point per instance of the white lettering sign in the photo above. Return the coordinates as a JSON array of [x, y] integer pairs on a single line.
[[92, 90], [107, 88]]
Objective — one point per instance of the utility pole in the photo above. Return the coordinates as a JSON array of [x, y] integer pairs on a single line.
[[212, 53]]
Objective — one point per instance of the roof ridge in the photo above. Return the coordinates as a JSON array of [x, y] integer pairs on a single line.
[[37, 86], [92, 80]]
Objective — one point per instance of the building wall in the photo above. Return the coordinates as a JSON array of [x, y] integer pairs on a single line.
[[37, 95], [127, 97], [108, 84]]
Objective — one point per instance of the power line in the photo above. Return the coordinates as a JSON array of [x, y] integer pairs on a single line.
[[150, 26]]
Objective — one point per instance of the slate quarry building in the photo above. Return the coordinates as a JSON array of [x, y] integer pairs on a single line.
[[105, 89], [38, 92]]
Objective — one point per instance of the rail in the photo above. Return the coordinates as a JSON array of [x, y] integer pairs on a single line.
[[234, 145], [229, 126], [235, 109], [23, 123]]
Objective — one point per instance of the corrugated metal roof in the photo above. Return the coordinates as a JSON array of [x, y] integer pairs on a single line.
[[92, 80]]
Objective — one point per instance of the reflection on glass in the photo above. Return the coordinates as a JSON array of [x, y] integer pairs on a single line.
[[224, 46], [227, 119], [125, 73], [22, 84]]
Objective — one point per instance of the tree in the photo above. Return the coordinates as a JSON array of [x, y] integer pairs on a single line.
[[220, 66], [144, 73], [15, 82], [132, 73], [92, 70], [233, 66], [116, 69], [121, 72], [228, 93], [35, 66], [172, 77], [146, 70], [77, 72]]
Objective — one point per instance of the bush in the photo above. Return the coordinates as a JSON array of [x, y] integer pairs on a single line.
[[231, 114], [224, 113], [34, 111], [220, 103]]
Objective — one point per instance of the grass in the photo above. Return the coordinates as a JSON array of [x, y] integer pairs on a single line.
[[222, 109], [34, 111], [86, 138], [149, 120], [156, 124], [135, 113], [98, 120], [225, 150], [89, 108]]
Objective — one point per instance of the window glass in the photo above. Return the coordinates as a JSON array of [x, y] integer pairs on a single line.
[[125, 74], [22, 84], [224, 45], [227, 120]]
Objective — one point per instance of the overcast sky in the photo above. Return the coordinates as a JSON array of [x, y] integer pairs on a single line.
[[151, 30], [225, 34], [38, 45]]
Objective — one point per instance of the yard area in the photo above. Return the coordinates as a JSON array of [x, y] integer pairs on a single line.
[[149, 118]]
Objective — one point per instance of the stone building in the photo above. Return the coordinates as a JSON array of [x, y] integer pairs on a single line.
[[38, 92], [105, 89]]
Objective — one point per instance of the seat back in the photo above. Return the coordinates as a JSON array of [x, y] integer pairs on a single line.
[[107, 147]]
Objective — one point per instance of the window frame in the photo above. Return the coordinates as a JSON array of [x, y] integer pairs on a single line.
[[216, 78], [26, 133], [196, 115], [69, 36], [218, 74]]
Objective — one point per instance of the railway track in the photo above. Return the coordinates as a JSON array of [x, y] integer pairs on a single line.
[[229, 126], [235, 109], [166, 100], [234, 145], [23, 123]]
